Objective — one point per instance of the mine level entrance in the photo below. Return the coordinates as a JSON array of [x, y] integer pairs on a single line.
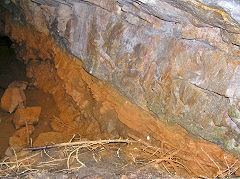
[[13, 69]]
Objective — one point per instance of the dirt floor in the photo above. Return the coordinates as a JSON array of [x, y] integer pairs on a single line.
[[91, 159]]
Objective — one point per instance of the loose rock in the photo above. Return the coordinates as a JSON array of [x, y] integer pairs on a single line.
[[14, 96], [29, 115], [25, 132]]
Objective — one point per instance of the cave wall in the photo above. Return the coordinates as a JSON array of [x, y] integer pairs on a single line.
[[150, 69], [177, 59]]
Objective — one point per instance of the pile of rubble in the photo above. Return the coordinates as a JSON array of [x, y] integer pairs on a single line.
[[24, 117]]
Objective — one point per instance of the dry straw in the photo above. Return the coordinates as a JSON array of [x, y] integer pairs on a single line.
[[16, 166], [65, 157]]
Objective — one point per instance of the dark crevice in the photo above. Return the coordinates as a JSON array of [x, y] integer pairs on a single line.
[[201, 41], [135, 16], [210, 91], [11, 68], [91, 4]]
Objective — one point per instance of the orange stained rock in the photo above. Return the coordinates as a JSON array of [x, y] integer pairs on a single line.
[[224, 15], [24, 133], [28, 115], [200, 157], [50, 138], [12, 98]]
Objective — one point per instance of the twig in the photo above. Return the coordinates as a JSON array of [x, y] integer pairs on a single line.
[[55, 160], [68, 160], [234, 170], [83, 165], [15, 154], [20, 160], [72, 138], [118, 152], [166, 169], [142, 142], [48, 154], [81, 143], [210, 158], [28, 140], [227, 170], [227, 165]]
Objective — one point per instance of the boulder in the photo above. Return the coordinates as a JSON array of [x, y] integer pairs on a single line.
[[28, 115], [14, 96]]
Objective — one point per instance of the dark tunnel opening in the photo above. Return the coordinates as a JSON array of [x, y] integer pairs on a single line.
[[12, 72], [11, 68]]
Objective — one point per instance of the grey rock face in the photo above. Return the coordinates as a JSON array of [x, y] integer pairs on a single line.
[[178, 59]]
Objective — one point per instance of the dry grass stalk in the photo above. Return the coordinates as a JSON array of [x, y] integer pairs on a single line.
[[18, 167], [84, 143], [7, 168], [182, 159], [229, 171], [162, 156], [169, 160]]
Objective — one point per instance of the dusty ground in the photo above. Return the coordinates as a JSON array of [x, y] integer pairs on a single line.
[[110, 160]]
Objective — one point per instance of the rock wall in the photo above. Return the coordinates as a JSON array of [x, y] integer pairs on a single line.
[[177, 59], [171, 63]]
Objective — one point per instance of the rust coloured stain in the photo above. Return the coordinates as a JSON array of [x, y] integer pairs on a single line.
[[113, 32], [92, 96]]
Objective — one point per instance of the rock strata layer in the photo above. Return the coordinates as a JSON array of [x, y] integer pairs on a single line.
[[175, 60]]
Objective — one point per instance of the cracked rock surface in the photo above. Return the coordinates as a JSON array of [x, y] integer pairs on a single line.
[[178, 59]]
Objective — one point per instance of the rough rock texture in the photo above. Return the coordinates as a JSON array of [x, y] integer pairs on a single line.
[[20, 139], [28, 115], [177, 60], [14, 96], [25, 132], [50, 138]]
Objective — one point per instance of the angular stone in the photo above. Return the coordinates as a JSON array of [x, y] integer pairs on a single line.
[[29, 115], [14, 96]]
